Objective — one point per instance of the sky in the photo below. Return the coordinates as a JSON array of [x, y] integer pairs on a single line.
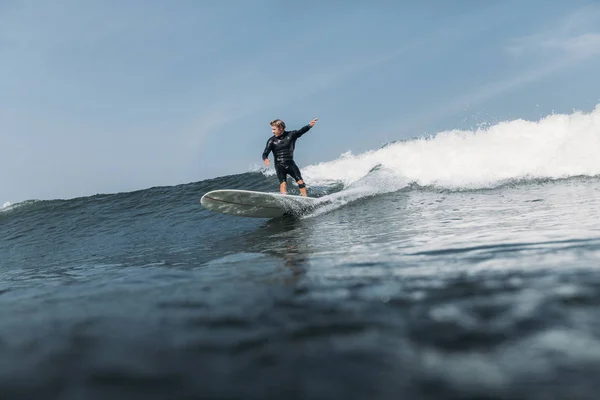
[[114, 96]]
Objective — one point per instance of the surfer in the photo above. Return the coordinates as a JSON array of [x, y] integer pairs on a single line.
[[282, 145]]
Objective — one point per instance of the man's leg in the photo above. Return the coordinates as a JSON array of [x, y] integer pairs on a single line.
[[281, 171], [302, 187], [295, 173]]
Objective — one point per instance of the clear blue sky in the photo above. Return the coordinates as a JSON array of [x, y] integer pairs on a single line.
[[111, 96]]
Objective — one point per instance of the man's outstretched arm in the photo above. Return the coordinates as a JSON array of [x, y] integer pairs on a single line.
[[306, 128]]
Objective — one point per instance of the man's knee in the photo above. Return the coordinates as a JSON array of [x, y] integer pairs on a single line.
[[301, 184]]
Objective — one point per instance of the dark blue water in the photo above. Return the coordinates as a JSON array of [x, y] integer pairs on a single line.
[[421, 293]]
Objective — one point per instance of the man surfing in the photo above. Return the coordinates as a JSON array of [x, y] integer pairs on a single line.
[[282, 145]]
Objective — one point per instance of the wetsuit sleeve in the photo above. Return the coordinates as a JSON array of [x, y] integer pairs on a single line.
[[302, 131], [268, 148]]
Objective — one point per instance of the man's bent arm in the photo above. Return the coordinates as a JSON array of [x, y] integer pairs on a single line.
[[267, 150]]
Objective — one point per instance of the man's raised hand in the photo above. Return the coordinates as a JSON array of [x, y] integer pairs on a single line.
[[313, 122]]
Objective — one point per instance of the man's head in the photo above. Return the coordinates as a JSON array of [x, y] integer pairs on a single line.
[[277, 127]]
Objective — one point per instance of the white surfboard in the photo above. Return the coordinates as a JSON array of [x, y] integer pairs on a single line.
[[248, 203]]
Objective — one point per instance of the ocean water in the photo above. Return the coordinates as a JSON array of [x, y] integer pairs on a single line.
[[465, 265]]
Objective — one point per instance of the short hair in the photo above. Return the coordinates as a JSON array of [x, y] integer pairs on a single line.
[[278, 123]]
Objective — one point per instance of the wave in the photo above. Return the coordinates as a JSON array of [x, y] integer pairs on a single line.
[[555, 147]]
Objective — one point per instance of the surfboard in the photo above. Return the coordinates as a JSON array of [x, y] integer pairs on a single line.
[[248, 203]]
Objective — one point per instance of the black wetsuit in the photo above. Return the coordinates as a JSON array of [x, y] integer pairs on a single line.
[[282, 147]]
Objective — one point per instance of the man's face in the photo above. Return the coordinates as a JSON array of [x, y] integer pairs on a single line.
[[277, 130]]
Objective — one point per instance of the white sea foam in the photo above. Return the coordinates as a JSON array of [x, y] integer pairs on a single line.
[[8, 206], [557, 146]]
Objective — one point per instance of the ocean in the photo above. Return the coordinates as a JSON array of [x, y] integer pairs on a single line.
[[464, 265]]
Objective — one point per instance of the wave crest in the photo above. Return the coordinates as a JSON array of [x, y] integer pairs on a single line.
[[556, 147]]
